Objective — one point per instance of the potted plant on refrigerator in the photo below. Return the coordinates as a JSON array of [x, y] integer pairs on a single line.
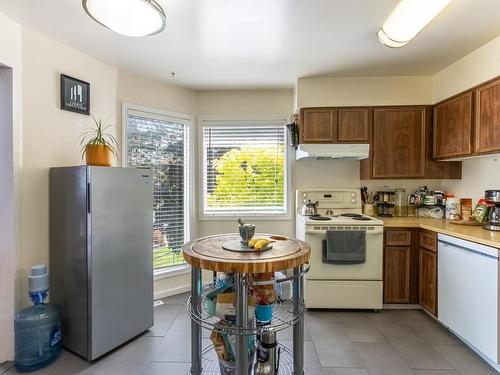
[[98, 146]]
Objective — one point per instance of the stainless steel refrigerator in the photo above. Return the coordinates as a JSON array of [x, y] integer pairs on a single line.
[[101, 266]]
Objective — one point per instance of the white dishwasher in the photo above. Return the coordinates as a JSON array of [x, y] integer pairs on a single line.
[[468, 292]]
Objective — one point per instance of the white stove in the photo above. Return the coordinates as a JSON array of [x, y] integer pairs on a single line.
[[339, 284]]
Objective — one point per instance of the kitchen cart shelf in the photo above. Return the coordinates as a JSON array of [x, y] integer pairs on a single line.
[[284, 316], [208, 253], [210, 362]]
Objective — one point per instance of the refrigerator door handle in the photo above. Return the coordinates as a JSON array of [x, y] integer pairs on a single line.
[[88, 197]]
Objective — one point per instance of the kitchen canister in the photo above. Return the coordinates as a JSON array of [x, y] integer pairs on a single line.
[[452, 208]]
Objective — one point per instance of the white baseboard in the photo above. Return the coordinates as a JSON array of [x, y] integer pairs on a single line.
[[171, 292]]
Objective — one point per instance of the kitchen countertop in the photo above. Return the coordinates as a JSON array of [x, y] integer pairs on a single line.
[[465, 232]]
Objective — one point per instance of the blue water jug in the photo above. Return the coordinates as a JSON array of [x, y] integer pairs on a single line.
[[37, 328]]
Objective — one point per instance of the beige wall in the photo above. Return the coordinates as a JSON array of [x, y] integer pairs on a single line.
[[353, 91], [478, 174], [50, 136], [478, 66], [10, 164]]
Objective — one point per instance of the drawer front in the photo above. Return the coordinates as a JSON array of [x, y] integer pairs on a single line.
[[428, 240], [398, 238]]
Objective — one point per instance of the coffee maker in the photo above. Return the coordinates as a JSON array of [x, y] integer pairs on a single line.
[[493, 197]]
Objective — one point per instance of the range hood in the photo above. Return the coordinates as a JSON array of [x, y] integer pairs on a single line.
[[332, 151]]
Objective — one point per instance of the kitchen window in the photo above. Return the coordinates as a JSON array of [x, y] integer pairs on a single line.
[[160, 141], [244, 168]]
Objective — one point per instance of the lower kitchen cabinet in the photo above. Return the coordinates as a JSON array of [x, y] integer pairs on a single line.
[[427, 280], [397, 261], [401, 253]]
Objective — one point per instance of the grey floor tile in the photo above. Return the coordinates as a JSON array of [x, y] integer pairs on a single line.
[[381, 359], [183, 313], [332, 346], [345, 371], [176, 345], [166, 368], [321, 316], [75, 366], [398, 329], [4, 367], [164, 315], [465, 362], [386, 316], [312, 365], [141, 348], [435, 372], [43, 371], [418, 354], [287, 334], [362, 331], [427, 328], [178, 299]]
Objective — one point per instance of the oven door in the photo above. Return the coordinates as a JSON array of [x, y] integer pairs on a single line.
[[371, 269]]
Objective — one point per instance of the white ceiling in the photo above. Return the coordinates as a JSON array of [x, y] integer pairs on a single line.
[[212, 44]]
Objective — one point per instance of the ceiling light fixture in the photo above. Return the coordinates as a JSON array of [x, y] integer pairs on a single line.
[[407, 20], [127, 17]]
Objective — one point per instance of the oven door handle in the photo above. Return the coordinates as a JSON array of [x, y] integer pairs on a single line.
[[376, 230]]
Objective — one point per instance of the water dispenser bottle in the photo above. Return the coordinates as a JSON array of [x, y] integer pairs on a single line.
[[37, 328]]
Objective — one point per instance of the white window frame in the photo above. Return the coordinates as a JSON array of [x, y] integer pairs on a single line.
[[232, 121], [189, 214]]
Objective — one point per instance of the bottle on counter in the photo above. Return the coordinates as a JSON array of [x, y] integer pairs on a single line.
[[466, 209], [400, 208], [452, 208]]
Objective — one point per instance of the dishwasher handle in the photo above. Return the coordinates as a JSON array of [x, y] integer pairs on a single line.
[[472, 249]]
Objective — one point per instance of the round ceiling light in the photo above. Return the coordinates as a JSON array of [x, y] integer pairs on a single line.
[[127, 17]]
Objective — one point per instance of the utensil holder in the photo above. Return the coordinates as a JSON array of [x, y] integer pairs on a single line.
[[368, 209]]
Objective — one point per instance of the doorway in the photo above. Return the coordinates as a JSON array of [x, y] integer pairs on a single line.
[[7, 215]]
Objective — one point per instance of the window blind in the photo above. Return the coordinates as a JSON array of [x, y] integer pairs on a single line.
[[160, 143], [244, 169]]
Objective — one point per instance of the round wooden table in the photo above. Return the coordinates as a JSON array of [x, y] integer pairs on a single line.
[[207, 253]]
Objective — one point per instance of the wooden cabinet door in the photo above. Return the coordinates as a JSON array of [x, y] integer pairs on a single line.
[[427, 280], [398, 237], [438, 168], [399, 142], [453, 127], [396, 274], [318, 125], [354, 125], [487, 119]]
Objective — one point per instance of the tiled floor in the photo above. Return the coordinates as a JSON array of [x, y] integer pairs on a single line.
[[392, 342]]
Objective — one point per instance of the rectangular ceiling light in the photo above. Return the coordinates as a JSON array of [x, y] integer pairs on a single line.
[[407, 19]]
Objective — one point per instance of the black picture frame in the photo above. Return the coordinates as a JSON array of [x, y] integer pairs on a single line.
[[75, 95]]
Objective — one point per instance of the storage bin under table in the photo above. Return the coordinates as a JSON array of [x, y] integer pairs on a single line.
[[207, 253]]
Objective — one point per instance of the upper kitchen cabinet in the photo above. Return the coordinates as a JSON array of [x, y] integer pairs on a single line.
[[399, 142], [401, 146], [318, 125], [487, 117], [453, 127], [335, 125], [354, 125]]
